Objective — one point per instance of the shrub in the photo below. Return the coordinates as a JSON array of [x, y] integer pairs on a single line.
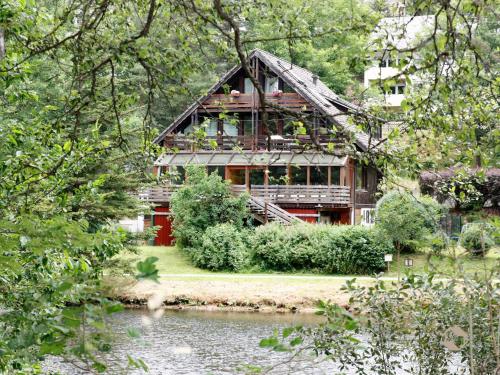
[[203, 201], [477, 238], [406, 220], [326, 248], [222, 248]]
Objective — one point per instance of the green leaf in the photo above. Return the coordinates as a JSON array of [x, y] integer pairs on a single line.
[[296, 341], [269, 342], [67, 146], [147, 269]]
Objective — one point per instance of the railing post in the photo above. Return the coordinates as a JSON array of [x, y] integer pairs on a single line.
[[265, 212]]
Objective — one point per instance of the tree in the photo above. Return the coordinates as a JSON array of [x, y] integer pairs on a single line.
[[204, 201], [407, 220]]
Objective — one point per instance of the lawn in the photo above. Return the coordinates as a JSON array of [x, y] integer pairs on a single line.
[[173, 262]]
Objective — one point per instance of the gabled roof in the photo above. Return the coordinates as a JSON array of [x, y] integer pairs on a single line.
[[301, 80]]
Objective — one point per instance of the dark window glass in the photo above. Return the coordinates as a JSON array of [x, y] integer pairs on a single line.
[[335, 176], [299, 175], [256, 177], [361, 177], [277, 176], [177, 175], [319, 175], [237, 176], [218, 169]]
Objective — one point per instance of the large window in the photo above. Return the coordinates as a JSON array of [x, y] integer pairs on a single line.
[[176, 175], [271, 84], [230, 129], [335, 179], [319, 175], [248, 86], [218, 169], [278, 175], [211, 127], [246, 125], [237, 176], [299, 175], [257, 177]]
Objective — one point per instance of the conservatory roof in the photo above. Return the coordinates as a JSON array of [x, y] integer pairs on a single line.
[[234, 158]]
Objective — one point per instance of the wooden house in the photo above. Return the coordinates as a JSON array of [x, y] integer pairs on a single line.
[[290, 175]]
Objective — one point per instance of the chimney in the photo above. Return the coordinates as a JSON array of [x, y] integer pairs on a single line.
[[315, 79]]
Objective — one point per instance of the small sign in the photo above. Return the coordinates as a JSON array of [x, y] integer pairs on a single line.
[[388, 257], [409, 262]]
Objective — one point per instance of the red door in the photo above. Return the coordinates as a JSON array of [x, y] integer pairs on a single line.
[[162, 219]]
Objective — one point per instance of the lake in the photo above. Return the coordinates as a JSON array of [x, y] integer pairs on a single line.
[[203, 342]]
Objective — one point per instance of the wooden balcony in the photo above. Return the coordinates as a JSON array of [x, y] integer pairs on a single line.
[[333, 195], [245, 102], [299, 194], [249, 142]]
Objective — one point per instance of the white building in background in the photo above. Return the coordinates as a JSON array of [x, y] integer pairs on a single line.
[[133, 225], [389, 44]]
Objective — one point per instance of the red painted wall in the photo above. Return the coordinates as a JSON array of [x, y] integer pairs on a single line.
[[307, 211], [164, 235]]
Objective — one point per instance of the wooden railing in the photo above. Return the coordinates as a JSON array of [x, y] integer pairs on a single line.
[[298, 194], [280, 194], [248, 142], [159, 194], [245, 102]]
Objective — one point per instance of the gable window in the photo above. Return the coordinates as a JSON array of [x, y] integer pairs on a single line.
[[367, 216], [248, 86], [271, 84]]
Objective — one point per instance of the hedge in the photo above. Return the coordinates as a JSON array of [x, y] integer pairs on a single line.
[[222, 248], [325, 248]]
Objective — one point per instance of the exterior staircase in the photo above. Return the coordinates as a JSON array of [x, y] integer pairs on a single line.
[[265, 212]]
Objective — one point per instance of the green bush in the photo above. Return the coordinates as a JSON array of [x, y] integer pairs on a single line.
[[325, 248], [222, 248], [477, 238], [406, 220], [203, 201]]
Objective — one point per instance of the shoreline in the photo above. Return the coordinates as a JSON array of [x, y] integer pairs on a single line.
[[236, 295]]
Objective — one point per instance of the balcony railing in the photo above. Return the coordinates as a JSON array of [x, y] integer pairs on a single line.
[[249, 142], [280, 194], [245, 102], [299, 194]]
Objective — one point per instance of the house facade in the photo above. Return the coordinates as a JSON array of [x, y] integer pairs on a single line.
[[390, 46], [293, 147]]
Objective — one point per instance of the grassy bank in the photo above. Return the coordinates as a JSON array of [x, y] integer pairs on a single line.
[[173, 261], [185, 286]]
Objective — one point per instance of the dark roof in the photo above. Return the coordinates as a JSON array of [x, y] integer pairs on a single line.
[[429, 176], [301, 80]]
